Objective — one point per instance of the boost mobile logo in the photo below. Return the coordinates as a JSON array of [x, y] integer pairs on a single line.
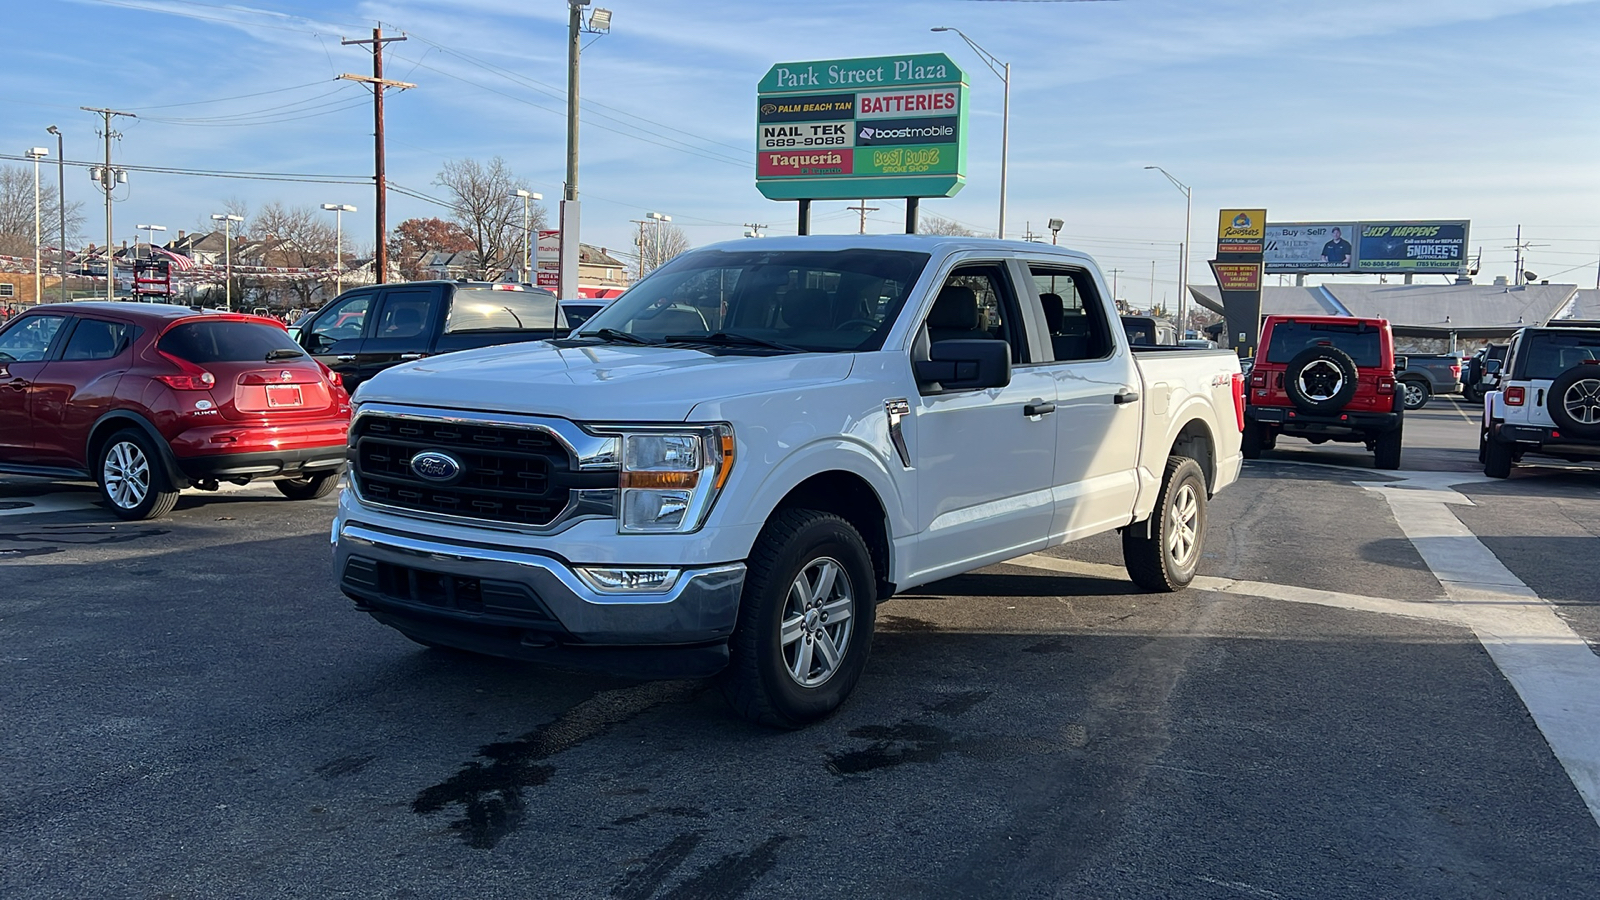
[[866, 134]]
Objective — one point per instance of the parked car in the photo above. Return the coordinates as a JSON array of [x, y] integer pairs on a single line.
[[1325, 378], [727, 469], [1547, 401], [1427, 375], [1148, 331], [1475, 380], [368, 329], [148, 399]]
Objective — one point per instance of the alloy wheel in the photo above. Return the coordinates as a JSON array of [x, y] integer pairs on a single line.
[[1582, 401], [1320, 380], [127, 475], [1183, 537], [818, 621]]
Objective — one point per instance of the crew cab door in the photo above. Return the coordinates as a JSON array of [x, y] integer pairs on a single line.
[[26, 346], [334, 334], [404, 327], [1098, 403], [985, 458]]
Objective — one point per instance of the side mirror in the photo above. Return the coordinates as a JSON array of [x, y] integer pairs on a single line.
[[1400, 363], [966, 365], [1491, 366]]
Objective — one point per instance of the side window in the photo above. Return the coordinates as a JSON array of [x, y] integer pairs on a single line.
[[405, 314], [95, 339], [342, 321], [978, 303], [28, 339], [1072, 312]]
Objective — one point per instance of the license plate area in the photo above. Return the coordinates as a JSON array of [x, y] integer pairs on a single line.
[[280, 396]]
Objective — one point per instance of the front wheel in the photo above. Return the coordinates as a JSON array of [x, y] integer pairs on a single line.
[[131, 479], [307, 487], [805, 620], [1163, 553], [1251, 443], [1497, 458]]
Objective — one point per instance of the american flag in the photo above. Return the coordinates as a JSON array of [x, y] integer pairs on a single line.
[[180, 263]]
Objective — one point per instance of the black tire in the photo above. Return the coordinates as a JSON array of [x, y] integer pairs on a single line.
[[759, 682], [1145, 552], [1497, 458], [1574, 401], [1415, 393], [1483, 446], [1386, 453], [1269, 439], [1321, 379], [310, 487], [1473, 393], [1252, 442], [132, 477]]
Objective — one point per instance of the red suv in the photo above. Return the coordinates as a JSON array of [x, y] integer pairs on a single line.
[[148, 400], [1325, 378]]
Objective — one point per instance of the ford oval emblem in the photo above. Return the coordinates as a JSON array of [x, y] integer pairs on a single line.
[[431, 465]]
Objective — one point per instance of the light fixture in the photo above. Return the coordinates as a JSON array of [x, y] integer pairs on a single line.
[[600, 21]]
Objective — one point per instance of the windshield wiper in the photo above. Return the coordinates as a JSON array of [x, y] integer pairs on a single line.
[[621, 337], [283, 353], [732, 339]]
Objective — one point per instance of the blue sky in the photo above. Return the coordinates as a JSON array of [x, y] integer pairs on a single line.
[[1377, 109]]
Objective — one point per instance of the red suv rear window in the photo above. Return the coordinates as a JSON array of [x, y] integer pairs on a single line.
[[1364, 343], [228, 341]]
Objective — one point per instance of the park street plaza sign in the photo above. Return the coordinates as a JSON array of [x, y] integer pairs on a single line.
[[846, 129]]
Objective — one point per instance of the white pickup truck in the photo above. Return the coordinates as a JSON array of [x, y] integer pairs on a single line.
[[726, 470]]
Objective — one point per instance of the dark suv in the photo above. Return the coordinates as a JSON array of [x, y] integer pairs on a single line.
[[147, 399], [1325, 378]]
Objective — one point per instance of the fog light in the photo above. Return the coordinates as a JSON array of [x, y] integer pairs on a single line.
[[628, 581]]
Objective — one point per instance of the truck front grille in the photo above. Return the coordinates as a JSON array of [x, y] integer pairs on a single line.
[[512, 474]]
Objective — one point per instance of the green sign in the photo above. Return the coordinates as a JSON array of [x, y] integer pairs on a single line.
[[843, 129]]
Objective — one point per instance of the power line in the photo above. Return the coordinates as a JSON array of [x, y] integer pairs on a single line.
[[239, 97], [214, 173]]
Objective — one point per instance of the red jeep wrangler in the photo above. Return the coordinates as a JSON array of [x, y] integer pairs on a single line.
[[1325, 378]]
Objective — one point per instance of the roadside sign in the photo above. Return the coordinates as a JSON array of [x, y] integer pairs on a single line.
[[1355, 247], [1241, 230], [845, 129], [1237, 276]]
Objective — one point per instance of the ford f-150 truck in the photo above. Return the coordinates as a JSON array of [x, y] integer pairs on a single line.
[[726, 470]]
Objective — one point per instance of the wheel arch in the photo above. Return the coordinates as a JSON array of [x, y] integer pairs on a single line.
[[1196, 441], [852, 498], [119, 419]]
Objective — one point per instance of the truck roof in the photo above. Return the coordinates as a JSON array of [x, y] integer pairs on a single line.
[[921, 243]]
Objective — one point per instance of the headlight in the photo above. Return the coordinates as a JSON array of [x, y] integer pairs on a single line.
[[670, 478]]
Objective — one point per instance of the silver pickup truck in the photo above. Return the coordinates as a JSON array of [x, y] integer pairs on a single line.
[[726, 470]]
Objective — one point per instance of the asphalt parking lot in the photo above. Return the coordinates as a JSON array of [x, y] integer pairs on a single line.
[[1379, 687]]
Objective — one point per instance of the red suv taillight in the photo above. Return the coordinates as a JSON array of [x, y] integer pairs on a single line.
[[190, 377], [1516, 396], [1257, 380], [334, 378], [1385, 384]]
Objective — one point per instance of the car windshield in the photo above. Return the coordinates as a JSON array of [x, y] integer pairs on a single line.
[[1364, 343], [766, 301], [228, 341], [1547, 354]]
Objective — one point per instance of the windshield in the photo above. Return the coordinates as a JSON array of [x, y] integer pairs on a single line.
[[1547, 354], [814, 300], [1364, 343]]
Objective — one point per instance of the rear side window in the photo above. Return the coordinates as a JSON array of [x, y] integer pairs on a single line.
[[208, 342], [1363, 343], [1547, 354], [1072, 313], [492, 310], [95, 339]]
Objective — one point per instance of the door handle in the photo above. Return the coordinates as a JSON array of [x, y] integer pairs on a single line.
[[412, 355], [1125, 396], [346, 357], [1040, 408], [18, 384]]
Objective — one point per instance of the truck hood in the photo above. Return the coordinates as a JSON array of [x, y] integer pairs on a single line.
[[603, 382]]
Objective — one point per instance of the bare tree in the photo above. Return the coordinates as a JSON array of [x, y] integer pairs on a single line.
[[928, 223], [659, 243], [298, 237], [16, 212], [233, 206], [483, 204]]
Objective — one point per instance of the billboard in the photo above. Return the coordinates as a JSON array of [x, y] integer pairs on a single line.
[[846, 129], [1240, 230], [1310, 247], [1366, 247]]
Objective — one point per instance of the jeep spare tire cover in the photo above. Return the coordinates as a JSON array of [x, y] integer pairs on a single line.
[[1574, 401], [1321, 379]]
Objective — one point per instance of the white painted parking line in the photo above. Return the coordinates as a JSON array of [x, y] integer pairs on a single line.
[[1551, 668]]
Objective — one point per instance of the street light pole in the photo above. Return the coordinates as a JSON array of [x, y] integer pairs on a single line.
[[152, 229], [655, 241], [38, 237], [338, 210], [61, 206], [527, 265], [1003, 71], [1183, 259], [227, 255]]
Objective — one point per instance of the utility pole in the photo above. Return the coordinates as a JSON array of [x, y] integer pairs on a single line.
[[1152, 283], [61, 204], [640, 245], [755, 230], [109, 179], [599, 23], [377, 82], [38, 238], [1114, 283], [864, 208]]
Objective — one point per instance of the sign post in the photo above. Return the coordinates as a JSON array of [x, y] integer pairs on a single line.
[[1241, 235], [848, 129]]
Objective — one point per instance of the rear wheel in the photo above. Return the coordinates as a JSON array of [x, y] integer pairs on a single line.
[[1386, 452], [1497, 458], [1163, 553], [805, 620], [1252, 442], [307, 487], [1415, 393], [131, 479]]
